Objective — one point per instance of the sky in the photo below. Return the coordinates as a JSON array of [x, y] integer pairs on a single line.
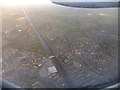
[[43, 2], [24, 2]]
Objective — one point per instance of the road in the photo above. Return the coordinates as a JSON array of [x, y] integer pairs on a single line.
[[56, 62]]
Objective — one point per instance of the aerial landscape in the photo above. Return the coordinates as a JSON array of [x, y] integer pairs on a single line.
[[59, 47]]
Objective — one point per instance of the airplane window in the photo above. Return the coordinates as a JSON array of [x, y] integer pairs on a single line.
[[46, 45]]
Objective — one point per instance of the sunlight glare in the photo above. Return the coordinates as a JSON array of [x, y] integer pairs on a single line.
[[25, 2]]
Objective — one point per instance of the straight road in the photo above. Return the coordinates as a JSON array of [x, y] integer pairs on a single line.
[[59, 67]]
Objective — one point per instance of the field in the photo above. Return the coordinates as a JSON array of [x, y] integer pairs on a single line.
[[84, 41]]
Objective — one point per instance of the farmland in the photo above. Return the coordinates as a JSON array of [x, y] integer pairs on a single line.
[[83, 41]]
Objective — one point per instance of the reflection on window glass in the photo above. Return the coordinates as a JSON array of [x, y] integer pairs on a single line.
[[60, 47]]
